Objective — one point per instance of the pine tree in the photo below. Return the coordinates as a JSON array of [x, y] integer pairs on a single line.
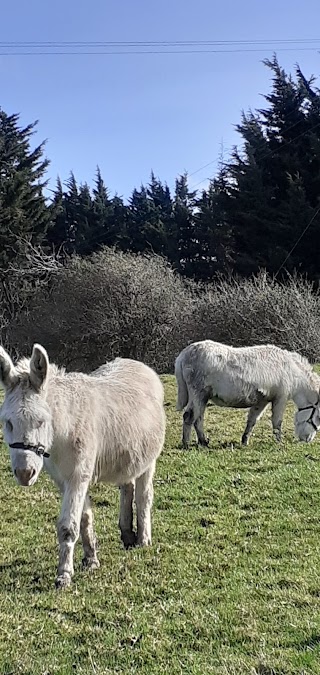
[[183, 243], [24, 214], [146, 230], [109, 216], [274, 183], [213, 232]]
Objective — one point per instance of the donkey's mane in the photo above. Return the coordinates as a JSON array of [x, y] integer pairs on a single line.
[[302, 360], [23, 369]]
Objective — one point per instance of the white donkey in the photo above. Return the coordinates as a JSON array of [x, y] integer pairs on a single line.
[[246, 377], [107, 426]]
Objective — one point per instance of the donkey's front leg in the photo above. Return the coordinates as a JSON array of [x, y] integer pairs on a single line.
[[69, 527], [278, 408], [89, 540]]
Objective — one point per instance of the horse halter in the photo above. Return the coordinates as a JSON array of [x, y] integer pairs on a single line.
[[38, 449], [310, 419]]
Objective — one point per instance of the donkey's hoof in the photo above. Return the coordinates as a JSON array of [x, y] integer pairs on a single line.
[[90, 563], [63, 581], [204, 442], [244, 440], [143, 541], [128, 538]]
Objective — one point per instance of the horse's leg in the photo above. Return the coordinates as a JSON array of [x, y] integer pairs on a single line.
[[89, 541], [278, 408], [74, 495], [128, 536], [198, 422], [253, 416], [144, 499]]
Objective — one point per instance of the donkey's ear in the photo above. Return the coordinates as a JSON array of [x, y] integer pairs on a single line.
[[8, 376], [39, 366]]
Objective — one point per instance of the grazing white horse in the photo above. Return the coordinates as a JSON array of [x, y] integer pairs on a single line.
[[246, 377], [107, 426]]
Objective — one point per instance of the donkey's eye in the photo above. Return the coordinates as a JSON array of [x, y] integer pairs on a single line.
[[39, 424], [9, 425]]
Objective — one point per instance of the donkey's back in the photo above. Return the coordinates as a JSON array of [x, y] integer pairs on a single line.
[[127, 419]]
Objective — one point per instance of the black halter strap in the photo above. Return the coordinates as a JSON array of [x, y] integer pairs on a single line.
[[308, 407], [38, 449], [310, 419]]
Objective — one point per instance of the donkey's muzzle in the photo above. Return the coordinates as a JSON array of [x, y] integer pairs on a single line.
[[24, 476]]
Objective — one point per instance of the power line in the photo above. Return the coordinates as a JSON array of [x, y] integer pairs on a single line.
[[298, 240], [261, 145], [123, 47], [154, 51], [270, 153], [154, 42], [213, 161]]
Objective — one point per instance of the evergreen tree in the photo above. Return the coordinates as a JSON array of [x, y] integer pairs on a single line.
[[213, 232], [24, 214], [184, 244], [109, 216], [148, 210], [274, 183]]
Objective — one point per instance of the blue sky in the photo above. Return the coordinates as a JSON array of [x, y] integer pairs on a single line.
[[133, 113]]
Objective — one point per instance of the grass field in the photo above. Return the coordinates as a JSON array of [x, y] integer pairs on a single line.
[[230, 586]]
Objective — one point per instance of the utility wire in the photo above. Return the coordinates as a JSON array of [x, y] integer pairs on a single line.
[[137, 43], [153, 51], [298, 240]]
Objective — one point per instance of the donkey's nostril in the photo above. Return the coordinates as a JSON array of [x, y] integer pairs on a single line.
[[24, 476]]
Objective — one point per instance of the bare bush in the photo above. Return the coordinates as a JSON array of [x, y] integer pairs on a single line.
[[261, 310], [114, 303], [108, 305]]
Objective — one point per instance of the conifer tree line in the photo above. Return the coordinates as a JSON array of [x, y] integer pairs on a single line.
[[255, 209]]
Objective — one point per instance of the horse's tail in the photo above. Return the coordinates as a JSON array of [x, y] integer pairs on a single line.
[[183, 395]]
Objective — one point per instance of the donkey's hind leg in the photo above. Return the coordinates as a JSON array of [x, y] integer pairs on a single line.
[[198, 422], [89, 541], [189, 416], [253, 416], [128, 536], [144, 499]]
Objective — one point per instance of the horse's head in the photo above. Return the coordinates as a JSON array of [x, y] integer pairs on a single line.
[[25, 414]]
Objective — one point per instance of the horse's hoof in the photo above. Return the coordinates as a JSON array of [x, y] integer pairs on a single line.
[[90, 563], [129, 539], [63, 581]]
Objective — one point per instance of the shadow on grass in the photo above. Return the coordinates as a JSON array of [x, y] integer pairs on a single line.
[[310, 643], [19, 575], [262, 669]]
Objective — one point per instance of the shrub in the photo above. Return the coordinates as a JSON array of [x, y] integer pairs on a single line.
[[121, 304], [108, 305], [261, 310]]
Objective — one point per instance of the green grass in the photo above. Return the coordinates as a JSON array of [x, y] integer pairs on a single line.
[[230, 586]]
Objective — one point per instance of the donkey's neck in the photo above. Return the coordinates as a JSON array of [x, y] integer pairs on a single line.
[[306, 389], [66, 405]]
